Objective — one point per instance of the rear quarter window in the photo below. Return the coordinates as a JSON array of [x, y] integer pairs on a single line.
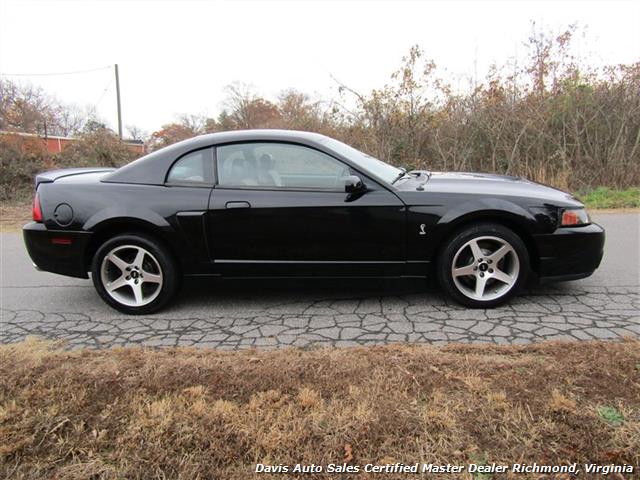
[[193, 168]]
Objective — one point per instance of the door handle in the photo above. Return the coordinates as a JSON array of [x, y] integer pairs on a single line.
[[238, 205]]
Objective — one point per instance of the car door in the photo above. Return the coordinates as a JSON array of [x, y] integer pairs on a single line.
[[281, 208]]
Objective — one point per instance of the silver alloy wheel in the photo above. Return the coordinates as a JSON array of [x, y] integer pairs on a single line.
[[485, 268], [131, 275]]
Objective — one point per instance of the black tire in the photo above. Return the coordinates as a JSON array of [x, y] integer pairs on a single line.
[[158, 261], [465, 285]]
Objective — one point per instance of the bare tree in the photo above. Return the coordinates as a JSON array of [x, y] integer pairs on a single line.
[[25, 108], [136, 133], [239, 99], [69, 120]]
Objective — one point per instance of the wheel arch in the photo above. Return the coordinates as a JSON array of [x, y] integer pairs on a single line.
[[110, 228], [515, 222]]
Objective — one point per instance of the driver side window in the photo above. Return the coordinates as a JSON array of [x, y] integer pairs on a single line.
[[279, 165]]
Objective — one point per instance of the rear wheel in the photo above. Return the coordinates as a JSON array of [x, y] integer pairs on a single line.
[[483, 265], [134, 273]]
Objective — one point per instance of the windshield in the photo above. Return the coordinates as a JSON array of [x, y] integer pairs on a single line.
[[382, 170]]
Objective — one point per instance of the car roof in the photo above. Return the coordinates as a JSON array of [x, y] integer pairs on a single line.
[[152, 168]]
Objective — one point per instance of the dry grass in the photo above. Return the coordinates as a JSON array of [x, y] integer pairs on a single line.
[[189, 413]]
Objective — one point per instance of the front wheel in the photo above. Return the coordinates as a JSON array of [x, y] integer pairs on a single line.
[[483, 265], [134, 273]]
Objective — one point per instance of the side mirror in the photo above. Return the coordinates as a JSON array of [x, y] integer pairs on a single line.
[[353, 184]]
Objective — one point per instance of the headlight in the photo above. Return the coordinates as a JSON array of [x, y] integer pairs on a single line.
[[574, 217]]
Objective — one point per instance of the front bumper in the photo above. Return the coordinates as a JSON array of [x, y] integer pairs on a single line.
[[570, 253], [57, 251]]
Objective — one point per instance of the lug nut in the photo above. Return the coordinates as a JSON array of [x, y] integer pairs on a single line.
[[479, 260], [491, 270], [481, 274], [136, 281], [475, 268], [489, 261], [128, 277], [128, 269]]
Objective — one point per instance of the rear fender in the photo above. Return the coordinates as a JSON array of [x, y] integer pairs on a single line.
[[137, 214], [103, 229]]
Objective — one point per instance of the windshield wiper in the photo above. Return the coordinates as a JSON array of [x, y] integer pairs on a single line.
[[403, 172]]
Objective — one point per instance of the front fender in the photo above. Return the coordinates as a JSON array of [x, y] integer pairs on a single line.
[[488, 207], [425, 242]]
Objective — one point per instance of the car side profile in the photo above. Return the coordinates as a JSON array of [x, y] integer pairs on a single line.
[[270, 203]]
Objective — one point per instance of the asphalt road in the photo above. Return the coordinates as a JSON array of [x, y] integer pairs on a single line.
[[234, 314]]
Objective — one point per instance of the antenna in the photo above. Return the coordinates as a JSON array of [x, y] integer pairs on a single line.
[[119, 107]]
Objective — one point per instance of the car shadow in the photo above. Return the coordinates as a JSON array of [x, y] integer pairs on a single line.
[[194, 288], [208, 292]]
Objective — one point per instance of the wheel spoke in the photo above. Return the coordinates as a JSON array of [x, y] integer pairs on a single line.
[[475, 249], [137, 292], [502, 276], [464, 271], [151, 278], [480, 284], [117, 261], [116, 284], [132, 275], [139, 258], [498, 254], [495, 268]]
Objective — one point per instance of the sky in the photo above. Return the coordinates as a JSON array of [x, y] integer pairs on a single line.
[[176, 57]]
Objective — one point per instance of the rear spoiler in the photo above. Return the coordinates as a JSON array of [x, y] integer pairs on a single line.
[[53, 175]]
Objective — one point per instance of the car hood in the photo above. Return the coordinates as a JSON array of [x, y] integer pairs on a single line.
[[485, 184]]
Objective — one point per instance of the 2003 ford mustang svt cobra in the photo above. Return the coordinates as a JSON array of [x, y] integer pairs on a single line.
[[295, 204]]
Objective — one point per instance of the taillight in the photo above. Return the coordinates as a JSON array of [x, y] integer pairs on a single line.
[[36, 211]]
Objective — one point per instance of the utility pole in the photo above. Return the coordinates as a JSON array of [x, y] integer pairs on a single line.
[[119, 107]]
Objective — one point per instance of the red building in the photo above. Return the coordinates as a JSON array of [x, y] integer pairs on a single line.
[[55, 144]]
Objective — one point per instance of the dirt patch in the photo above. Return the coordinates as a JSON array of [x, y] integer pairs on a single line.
[[14, 215], [195, 413]]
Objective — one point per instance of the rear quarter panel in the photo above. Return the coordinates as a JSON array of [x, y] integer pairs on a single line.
[[174, 214]]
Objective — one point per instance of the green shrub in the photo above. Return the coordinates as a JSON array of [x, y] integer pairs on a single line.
[[605, 197]]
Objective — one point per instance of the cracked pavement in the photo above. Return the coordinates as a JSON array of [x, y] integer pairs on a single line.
[[271, 314]]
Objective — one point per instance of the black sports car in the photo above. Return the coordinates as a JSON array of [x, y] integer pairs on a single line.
[[297, 204]]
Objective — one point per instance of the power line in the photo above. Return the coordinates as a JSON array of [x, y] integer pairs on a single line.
[[75, 72], [104, 93], [53, 74]]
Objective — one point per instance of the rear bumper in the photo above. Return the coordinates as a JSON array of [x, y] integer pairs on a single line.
[[57, 251], [570, 253]]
